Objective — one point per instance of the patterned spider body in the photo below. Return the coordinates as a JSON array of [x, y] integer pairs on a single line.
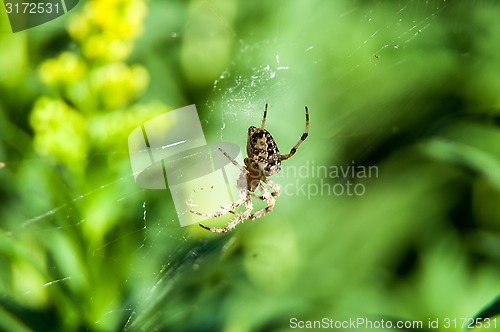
[[263, 160]]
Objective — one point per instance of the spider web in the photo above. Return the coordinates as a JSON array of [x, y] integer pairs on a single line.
[[277, 57], [278, 63]]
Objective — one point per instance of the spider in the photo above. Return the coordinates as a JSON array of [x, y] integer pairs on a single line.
[[263, 160]]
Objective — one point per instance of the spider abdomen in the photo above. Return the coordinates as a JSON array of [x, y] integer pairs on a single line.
[[263, 152]]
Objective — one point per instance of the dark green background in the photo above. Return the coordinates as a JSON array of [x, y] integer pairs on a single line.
[[411, 87]]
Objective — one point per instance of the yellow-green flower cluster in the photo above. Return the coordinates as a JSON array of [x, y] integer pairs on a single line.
[[96, 81], [106, 29], [117, 84], [66, 69], [60, 131], [106, 86]]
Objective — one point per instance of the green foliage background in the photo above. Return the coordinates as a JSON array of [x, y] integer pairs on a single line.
[[411, 87]]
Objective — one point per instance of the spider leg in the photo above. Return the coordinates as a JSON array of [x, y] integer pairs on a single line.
[[235, 163], [233, 212], [302, 139], [223, 211], [244, 198], [276, 190], [271, 201], [258, 196], [274, 186], [240, 218], [264, 118]]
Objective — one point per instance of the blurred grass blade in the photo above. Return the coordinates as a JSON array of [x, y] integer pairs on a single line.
[[492, 310]]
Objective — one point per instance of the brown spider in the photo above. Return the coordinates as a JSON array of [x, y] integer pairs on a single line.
[[264, 160]]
